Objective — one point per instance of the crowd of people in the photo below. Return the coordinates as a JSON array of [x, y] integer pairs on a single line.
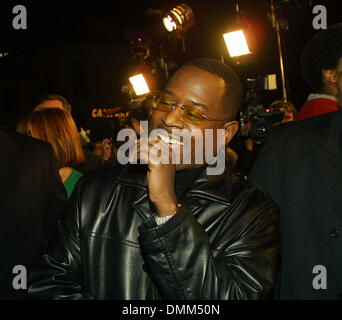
[[86, 226]]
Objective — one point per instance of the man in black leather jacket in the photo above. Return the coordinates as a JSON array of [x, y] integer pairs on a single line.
[[168, 231]]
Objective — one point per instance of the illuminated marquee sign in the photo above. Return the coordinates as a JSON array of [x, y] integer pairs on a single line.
[[108, 113]]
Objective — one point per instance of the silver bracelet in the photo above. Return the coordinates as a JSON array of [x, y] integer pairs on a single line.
[[162, 220]]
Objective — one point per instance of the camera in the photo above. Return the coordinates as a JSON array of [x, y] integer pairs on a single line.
[[262, 120], [253, 111]]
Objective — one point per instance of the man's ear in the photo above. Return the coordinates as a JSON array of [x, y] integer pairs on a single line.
[[107, 149], [330, 75], [231, 128], [106, 142]]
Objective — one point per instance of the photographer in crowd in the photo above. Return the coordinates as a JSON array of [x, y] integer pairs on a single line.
[[255, 129]]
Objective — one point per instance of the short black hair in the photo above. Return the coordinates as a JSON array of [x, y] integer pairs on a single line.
[[232, 96], [288, 106], [322, 52]]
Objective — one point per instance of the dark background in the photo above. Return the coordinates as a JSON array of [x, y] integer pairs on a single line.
[[82, 50]]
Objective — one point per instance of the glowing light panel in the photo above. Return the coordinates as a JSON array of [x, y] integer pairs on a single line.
[[236, 43], [139, 84]]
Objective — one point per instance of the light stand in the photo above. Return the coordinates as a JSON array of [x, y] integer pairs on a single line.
[[235, 39], [276, 26]]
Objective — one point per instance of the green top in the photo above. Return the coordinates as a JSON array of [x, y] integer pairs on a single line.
[[69, 184]]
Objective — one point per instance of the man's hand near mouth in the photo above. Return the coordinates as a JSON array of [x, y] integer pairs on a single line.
[[160, 177]]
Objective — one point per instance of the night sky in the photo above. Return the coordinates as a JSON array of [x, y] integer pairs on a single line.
[[116, 22]]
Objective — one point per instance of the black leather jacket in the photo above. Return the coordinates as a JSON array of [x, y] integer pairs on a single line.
[[221, 244]]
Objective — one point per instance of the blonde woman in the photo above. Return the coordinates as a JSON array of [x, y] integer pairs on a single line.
[[57, 127]]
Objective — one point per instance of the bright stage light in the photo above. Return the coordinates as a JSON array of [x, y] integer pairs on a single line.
[[169, 24], [236, 43], [139, 84], [179, 18]]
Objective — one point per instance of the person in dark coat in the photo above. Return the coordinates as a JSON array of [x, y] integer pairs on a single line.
[[301, 168], [31, 196]]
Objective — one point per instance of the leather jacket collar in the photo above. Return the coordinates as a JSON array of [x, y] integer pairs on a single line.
[[212, 188]]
